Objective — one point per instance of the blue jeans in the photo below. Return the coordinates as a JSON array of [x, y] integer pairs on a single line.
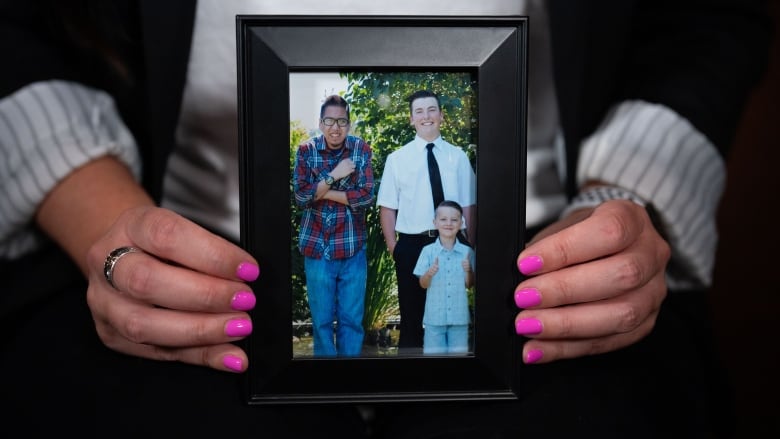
[[337, 292], [446, 339]]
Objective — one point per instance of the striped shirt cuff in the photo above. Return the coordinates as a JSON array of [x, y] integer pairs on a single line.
[[47, 130], [596, 195], [651, 151]]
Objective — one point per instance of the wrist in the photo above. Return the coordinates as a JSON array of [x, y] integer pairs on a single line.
[[328, 178], [592, 196]]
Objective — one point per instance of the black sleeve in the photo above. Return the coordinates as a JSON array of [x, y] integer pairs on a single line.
[[701, 58]]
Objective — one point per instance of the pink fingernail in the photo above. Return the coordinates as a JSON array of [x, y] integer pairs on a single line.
[[533, 356], [530, 264], [528, 327], [233, 363], [248, 271], [243, 301], [238, 328], [527, 297]]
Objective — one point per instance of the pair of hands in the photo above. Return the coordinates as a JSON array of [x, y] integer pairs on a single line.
[[595, 284], [435, 266], [342, 170]]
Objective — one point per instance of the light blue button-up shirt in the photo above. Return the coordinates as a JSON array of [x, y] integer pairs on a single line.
[[446, 302]]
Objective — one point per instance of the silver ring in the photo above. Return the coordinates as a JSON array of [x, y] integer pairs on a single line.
[[113, 258]]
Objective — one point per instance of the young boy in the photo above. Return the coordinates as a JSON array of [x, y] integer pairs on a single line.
[[445, 270]]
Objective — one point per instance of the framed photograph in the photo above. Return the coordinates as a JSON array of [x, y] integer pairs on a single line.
[[287, 67]]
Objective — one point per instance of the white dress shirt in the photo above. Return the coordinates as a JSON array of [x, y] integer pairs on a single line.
[[406, 187]]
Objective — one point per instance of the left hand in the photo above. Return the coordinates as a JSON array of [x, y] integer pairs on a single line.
[[175, 300], [598, 280]]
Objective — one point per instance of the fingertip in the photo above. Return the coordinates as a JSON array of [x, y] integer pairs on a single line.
[[238, 327], [243, 301], [248, 271], [527, 297], [533, 356], [530, 264], [528, 326], [233, 363]]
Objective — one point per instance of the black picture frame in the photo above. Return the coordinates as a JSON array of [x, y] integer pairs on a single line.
[[268, 49]]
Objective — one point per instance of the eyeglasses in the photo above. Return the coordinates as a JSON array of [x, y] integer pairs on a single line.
[[329, 121]]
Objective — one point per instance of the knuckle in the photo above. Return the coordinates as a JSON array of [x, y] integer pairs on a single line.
[[563, 248], [565, 292], [163, 228], [629, 273], [133, 327], [205, 357], [199, 333], [615, 229], [628, 318], [215, 257], [565, 327], [213, 295]]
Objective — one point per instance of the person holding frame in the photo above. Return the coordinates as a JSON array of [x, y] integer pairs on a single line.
[[407, 201], [333, 185], [139, 341]]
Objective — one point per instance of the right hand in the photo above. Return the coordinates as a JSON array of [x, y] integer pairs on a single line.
[[175, 301], [434, 267], [343, 169], [600, 278]]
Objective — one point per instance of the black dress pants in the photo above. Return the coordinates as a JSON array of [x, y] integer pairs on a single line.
[[411, 296]]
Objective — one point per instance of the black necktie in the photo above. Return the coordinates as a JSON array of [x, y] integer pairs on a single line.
[[433, 173]]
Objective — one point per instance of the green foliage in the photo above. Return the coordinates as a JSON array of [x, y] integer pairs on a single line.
[[300, 304], [298, 135], [381, 295]]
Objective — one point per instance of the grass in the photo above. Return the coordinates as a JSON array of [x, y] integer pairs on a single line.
[[303, 345]]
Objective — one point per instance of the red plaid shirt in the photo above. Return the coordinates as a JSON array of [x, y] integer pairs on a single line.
[[329, 229]]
